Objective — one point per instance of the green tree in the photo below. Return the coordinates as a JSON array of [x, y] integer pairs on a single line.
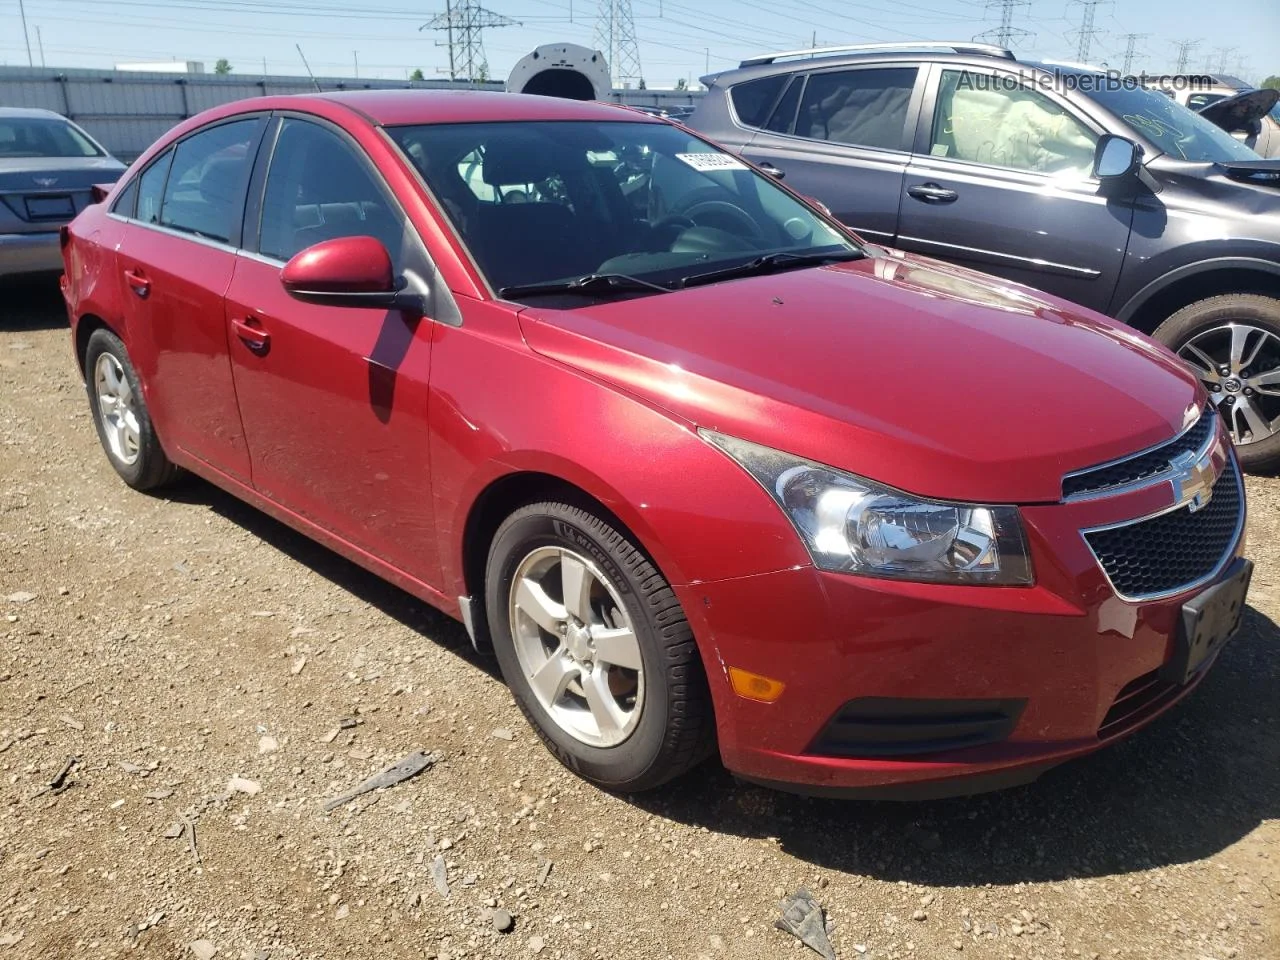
[[222, 67], [417, 75], [482, 73], [682, 84], [1273, 82]]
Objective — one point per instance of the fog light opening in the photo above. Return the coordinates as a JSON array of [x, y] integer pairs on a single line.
[[753, 686]]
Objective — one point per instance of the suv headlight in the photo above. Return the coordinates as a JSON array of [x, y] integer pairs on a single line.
[[853, 525]]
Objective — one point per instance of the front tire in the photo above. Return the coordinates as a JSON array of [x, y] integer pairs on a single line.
[[1232, 343], [595, 648], [120, 414]]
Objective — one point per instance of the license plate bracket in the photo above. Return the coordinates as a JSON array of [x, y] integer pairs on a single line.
[[59, 206], [1208, 621]]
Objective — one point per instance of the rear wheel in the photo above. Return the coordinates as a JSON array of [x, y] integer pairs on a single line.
[[120, 414], [595, 648], [1233, 344]]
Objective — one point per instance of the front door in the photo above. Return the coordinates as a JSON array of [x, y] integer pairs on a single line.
[[843, 137], [1001, 181], [177, 257], [334, 399]]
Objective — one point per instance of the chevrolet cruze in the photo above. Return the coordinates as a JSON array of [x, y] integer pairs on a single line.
[[703, 470]]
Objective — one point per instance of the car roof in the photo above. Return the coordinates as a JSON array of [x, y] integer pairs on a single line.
[[403, 107]]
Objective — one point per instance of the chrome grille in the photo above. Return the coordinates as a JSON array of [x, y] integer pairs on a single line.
[[1143, 466], [1173, 551]]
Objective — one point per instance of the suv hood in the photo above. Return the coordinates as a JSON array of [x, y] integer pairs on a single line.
[[931, 378]]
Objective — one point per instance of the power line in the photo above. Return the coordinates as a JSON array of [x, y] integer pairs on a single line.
[[616, 36], [465, 26], [1086, 32], [1131, 49], [1005, 33]]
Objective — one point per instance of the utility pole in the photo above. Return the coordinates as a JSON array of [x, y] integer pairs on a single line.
[[355, 58], [1131, 49], [22, 11], [314, 81], [616, 36], [1006, 32], [1184, 53], [464, 25], [40, 44], [1087, 31]]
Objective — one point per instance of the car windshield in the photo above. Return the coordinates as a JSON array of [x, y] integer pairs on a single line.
[[546, 202], [43, 137], [1179, 132]]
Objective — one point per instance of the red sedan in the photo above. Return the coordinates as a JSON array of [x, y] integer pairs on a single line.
[[700, 467]]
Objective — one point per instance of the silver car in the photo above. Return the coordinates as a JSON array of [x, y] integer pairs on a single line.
[[48, 167]]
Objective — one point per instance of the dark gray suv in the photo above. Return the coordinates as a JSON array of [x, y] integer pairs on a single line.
[[1083, 184]]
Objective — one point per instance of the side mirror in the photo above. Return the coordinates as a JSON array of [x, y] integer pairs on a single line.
[[1115, 157], [347, 272], [819, 205]]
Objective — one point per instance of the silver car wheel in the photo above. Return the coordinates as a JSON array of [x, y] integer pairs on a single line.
[[1239, 364], [117, 405], [577, 646]]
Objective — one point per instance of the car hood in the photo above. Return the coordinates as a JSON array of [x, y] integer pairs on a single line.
[[19, 174], [930, 378]]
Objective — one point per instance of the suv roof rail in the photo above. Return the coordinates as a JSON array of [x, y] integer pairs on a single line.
[[987, 49]]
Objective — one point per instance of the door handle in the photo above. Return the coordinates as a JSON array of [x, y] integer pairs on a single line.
[[251, 334], [933, 193], [138, 283], [771, 170]]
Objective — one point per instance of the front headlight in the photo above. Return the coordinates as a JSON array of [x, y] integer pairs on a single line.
[[852, 525]]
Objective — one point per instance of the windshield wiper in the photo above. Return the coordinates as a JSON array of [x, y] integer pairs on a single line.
[[769, 263], [592, 283]]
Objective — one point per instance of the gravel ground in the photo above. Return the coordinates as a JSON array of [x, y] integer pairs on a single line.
[[173, 644]]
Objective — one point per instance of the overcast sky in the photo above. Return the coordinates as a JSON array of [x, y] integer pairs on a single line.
[[677, 38]]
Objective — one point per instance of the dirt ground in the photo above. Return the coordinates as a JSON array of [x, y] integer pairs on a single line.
[[174, 643]]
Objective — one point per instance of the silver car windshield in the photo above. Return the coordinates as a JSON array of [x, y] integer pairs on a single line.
[[543, 201], [1176, 130], [43, 137]]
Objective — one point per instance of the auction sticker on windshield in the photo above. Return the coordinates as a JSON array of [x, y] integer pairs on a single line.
[[711, 162]]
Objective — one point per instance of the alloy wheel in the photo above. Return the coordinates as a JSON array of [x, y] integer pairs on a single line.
[[577, 646], [117, 405], [1239, 365]]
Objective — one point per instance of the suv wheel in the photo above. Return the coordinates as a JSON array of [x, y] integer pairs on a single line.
[[594, 646], [1233, 345]]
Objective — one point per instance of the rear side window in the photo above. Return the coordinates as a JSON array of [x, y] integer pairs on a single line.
[[127, 201], [865, 108], [151, 189], [753, 101], [318, 188], [784, 114], [205, 191]]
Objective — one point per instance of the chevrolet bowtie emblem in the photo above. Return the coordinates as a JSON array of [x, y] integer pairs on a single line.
[[1193, 479]]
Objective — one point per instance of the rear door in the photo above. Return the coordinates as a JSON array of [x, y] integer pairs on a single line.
[[842, 136], [334, 399], [1001, 181], [176, 260]]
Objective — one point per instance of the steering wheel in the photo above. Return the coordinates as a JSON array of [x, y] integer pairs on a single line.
[[732, 218], [672, 220]]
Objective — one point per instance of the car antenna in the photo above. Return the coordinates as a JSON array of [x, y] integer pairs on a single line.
[[308, 66]]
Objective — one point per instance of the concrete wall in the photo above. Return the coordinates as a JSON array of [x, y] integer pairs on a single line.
[[126, 112]]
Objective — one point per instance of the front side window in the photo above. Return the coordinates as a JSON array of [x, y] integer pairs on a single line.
[[544, 201], [865, 108], [994, 120], [151, 189], [43, 137], [205, 190], [319, 189]]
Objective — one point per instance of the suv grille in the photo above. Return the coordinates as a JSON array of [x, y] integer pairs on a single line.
[[1143, 466], [1175, 550]]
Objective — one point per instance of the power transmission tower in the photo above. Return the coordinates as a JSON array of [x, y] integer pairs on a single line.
[[1006, 33], [616, 36], [1223, 53], [465, 24], [1087, 31], [1184, 53], [1131, 50]]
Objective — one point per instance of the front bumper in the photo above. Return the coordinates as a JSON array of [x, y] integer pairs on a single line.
[[1066, 665], [23, 253]]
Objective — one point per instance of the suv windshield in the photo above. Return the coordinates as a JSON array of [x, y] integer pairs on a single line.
[[43, 137], [1179, 132], [544, 202]]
